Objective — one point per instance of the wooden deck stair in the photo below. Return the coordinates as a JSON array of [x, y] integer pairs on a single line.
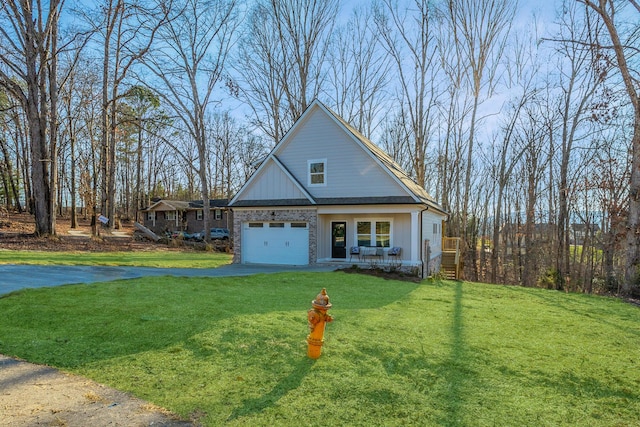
[[451, 266]]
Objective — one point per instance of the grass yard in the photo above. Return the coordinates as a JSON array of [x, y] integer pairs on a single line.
[[232, 351], [164, 259]]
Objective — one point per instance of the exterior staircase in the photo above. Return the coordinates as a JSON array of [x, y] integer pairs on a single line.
[[451, 266]]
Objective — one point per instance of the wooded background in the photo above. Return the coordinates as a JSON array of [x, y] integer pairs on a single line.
[[523, 123]]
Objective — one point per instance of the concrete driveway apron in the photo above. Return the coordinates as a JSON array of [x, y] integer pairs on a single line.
[[16, 277]]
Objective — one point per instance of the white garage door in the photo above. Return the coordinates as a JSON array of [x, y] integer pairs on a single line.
[[275, 243]]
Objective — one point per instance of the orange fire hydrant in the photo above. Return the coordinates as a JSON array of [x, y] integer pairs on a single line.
[[317, 317]]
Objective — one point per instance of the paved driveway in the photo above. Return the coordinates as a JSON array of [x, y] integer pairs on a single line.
[[15, 277]]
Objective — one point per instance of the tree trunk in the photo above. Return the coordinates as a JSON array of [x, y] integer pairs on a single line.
[[631, 285]]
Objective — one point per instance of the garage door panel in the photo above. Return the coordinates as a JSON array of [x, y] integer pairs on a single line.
[[276, 243]]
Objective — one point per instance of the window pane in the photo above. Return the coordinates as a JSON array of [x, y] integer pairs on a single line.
[[317, 179], [364, 227], [317, 168], [382, 240], [364, 233], [383, 227], [255, 225], [276, 225], [339, 238], [364, 240], [298, 225]]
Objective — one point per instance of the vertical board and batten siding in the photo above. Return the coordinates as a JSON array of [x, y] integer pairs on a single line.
[[272, 183], [435, 241], [351, 171]]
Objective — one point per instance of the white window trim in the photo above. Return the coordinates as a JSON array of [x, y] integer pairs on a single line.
[[309, 163], [174, 215], [373, 229]]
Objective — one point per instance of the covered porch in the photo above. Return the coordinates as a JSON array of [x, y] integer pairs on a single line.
[[369, 236]]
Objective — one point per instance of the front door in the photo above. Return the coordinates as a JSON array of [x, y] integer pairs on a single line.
[[338, 240]]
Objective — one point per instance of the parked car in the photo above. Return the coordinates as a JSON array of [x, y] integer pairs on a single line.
[[220, 233], [215, 233], [181, 235]]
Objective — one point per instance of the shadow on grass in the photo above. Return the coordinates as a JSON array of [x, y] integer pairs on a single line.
[[456, 369], [291, 382]]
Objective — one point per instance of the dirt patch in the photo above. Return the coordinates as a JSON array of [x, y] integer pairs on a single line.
[[17, 233], [32, 395]]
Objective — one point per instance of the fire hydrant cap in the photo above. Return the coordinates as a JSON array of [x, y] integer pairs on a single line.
[[322, 300]]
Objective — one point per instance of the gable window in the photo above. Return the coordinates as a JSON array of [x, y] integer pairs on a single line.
[[199, 215], [317, 172], [374, 233]]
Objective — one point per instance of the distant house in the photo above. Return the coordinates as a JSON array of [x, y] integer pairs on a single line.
[[326, 194], [177, 215], [513, 236], [581, 232]]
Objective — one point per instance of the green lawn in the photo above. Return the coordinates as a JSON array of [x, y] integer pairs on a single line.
[[233, 351], [165, 259]]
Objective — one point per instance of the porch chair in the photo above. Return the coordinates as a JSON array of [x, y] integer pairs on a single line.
[[355, 250], [394, 254]]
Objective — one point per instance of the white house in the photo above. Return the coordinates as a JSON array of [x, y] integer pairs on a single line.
[[325, 189]]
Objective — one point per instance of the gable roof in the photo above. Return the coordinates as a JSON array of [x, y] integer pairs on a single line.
[[181, 205], [168, 205], [415, 193]]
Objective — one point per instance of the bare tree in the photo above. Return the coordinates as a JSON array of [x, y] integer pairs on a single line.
[[533, 141], [9, 111], [229, 137], [282, 59], [192, 50], [579, 82], [480, 29], [127, 30], [408, 37], [522, 76], [624, 50], [610, 180], [359, 72], [143, 111], [28, 40]]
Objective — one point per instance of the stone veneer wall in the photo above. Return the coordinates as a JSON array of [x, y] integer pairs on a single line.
[[429, 265], [264, 215], [434, 264]]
